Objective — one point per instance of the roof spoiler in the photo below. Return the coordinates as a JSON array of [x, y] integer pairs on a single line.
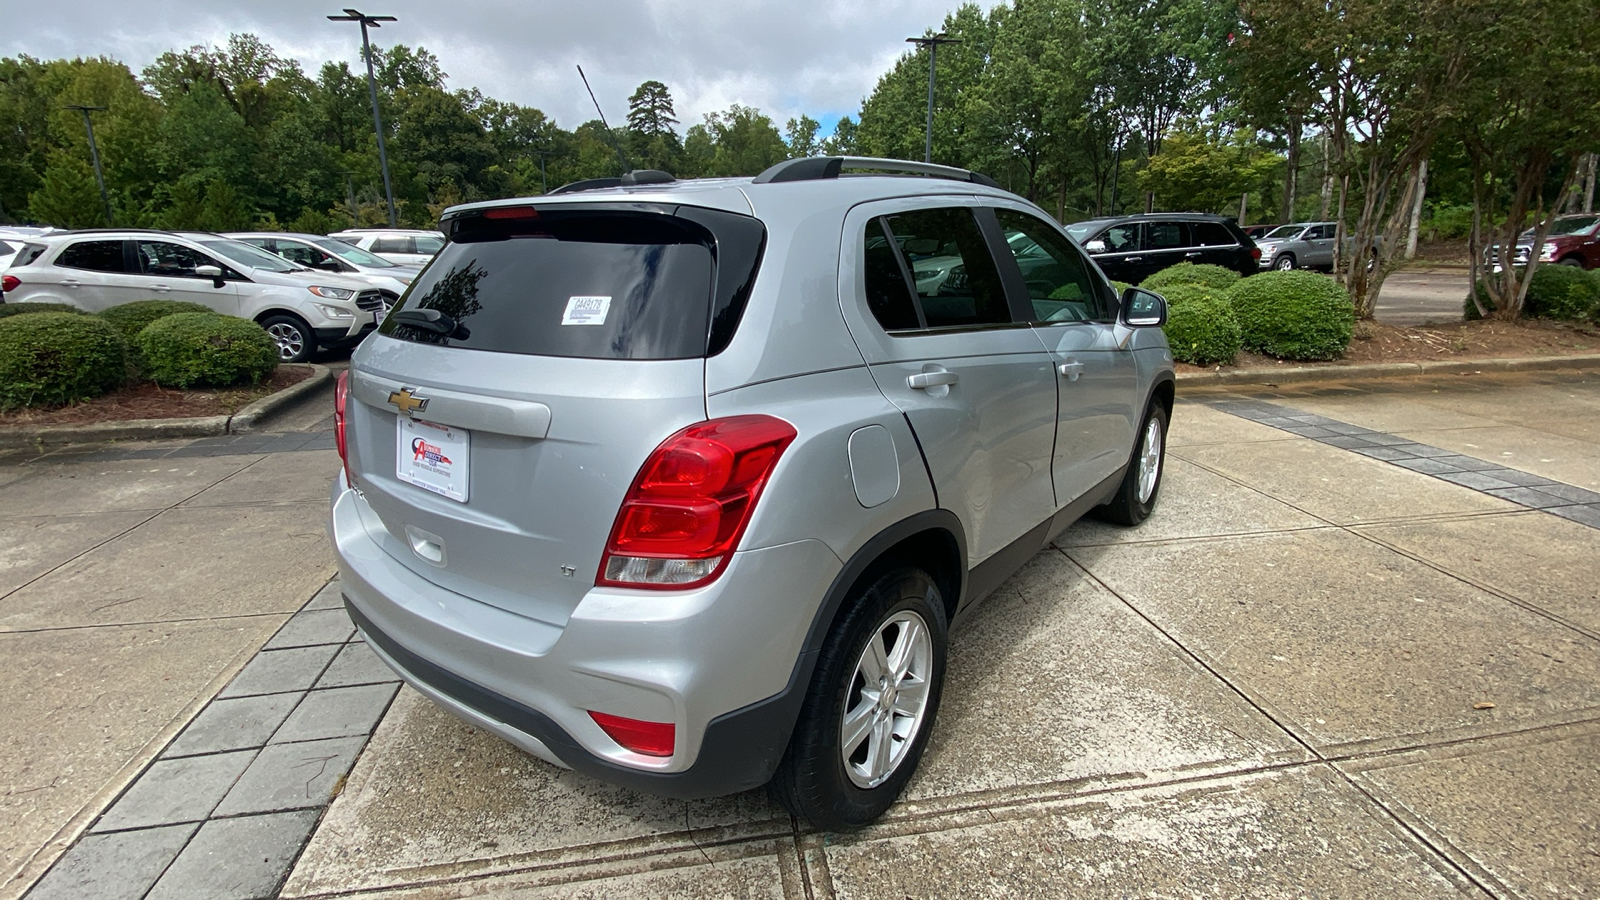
[[635, 177], [817, 168]]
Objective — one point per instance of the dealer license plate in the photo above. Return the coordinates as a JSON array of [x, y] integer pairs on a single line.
[[433, 457]]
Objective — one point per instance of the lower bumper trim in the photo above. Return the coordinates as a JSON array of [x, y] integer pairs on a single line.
[[740, 750]]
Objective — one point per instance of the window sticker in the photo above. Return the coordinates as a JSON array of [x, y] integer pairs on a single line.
[[586, 311]]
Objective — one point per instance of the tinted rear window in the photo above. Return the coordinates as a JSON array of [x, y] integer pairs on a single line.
[[597, 285], [97, 256]]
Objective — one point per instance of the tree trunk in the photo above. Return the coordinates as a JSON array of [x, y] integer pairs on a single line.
[[1292, 177], [1244, 205], [1588, 183], [1416, 209], [1327, 179], [1149, 201]]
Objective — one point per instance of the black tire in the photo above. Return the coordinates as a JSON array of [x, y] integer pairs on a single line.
[[1127, 507], [1572, 261], [1284, 262], [811, 779], [296, 341]]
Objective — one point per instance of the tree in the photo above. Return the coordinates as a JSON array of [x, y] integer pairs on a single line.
[[801, 136], [1198, 171], [745, 141], [653, 143], [67, 196]]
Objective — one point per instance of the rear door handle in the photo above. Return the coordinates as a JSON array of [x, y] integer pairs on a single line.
[[71, 282], [924, 380], [1192, 254], [1072, 369], [161, 288], [1134, 259]]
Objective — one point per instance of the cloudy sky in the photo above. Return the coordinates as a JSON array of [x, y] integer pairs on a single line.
[[819, 57]]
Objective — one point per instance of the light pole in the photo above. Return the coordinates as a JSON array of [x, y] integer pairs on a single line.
[[355, 15], [932, 42], [94, 155]]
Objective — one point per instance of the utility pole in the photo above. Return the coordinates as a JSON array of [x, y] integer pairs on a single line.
[[94, 155], [932, 42], [355, 15], [544, 185]]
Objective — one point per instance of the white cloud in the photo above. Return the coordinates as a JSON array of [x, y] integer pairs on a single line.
[[785, 58]]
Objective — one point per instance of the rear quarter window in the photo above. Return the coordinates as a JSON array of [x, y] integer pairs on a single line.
[[96, 256]]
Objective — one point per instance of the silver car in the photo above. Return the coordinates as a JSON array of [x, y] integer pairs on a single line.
[[324, 254], [682, 484], [1304, 245]]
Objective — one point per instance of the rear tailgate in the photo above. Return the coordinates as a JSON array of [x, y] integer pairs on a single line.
[[499, 416]]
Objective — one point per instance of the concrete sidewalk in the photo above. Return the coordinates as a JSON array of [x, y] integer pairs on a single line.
[[1356, 652]]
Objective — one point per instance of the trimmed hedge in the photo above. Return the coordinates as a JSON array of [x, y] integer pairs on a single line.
[[1205, 274], [131, 318], [1201, 326], [1293, 315], [1560, 292], [21, 309], [55, 358], [206, 349]]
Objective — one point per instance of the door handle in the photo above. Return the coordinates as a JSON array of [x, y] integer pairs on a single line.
[[1133, 259], [924, 380], [71, 282], [1072, 369], [1192, 254], [161, 288]]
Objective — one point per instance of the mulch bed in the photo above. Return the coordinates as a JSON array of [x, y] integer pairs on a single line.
[[149, 401], [1375, 342]]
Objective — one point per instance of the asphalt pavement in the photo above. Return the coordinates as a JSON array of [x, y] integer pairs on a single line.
[[1355, 652]]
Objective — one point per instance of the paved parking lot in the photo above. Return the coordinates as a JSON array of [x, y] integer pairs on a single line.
[[1356, 652]]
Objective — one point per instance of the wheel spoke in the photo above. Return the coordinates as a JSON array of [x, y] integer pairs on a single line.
[[911, 697], [905, 648], [874, 663], [881, 751], [858, 723]]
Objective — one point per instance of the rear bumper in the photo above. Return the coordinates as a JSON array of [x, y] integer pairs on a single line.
[[722, 663]]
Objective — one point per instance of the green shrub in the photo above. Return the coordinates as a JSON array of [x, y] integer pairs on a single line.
[[206, 349], [1120, 286], [1561, 292], [1557, 292], [1293, 315], [1201, 326], [1215, 277], [20, 309], [131, 318], [53, 358]]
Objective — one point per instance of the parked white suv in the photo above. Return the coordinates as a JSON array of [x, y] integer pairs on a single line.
[[101, 268], [408, 247], [325, 254]]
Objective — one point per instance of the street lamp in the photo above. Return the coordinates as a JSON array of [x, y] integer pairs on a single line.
[[94, 154], [355, 15], [932, 42]]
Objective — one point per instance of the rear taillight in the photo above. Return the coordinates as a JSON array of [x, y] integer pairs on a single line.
[[1255, 253], [10, 283], [689, 505], [647, 738], [341, 395]]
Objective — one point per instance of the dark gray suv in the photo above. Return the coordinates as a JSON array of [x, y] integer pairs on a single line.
[[681, 484]]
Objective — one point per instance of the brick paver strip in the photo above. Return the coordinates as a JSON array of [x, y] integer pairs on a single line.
[[281, 671], [239, 724], [113, 866], [237, 858], [1490, 478], [174, 791], [292, 776], [337, 712]]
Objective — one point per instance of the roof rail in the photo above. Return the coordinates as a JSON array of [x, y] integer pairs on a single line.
[[588, 184], [816, 168]]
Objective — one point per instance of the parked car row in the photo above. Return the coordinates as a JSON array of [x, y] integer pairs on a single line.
[[308, 291], [1573, 241], [1132, 248]]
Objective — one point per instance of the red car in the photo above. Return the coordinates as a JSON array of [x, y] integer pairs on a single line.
[[1573, 241]]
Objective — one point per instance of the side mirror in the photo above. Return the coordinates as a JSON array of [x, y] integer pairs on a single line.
[[1095, 246], [1143, 309], [212, 272], [329, 265]]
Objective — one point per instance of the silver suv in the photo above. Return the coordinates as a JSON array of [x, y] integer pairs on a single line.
[[1303, 245], [680, 484]]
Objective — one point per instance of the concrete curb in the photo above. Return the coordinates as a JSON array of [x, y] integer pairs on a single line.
[[1372, 371], [164, 429]]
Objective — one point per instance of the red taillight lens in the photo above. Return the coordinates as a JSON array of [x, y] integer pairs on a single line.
[[1255, 253], [511, 212], [647, 738], [690, 503], [10, 283], [341, 395]]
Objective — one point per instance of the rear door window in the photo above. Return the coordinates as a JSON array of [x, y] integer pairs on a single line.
[[1166, 235], [594, 284], [1211, 234], [96, 256], [391, 245], [956, 281]]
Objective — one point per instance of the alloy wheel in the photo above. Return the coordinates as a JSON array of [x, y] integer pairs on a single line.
[[888, 699]]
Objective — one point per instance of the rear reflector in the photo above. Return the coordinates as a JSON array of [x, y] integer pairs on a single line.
[[645, 738], [689, 505]]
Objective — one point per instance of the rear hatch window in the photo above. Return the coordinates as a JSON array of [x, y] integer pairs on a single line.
[[641, 282]]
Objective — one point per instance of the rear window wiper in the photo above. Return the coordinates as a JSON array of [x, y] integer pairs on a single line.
[[433, 321]]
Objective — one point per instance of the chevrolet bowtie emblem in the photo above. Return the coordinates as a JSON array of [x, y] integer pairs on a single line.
[[407, 402]]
